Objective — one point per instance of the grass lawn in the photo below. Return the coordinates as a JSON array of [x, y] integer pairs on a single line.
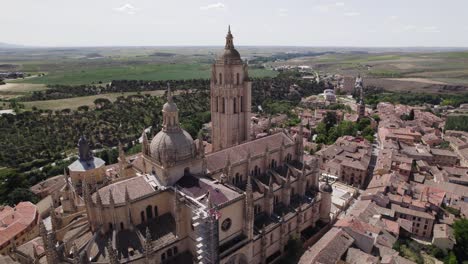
[[74, 103], [105, 73]]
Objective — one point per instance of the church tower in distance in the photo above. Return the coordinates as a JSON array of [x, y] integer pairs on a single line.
[[230, 98]]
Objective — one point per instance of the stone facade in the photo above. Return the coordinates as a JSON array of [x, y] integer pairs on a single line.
[[230, 98]]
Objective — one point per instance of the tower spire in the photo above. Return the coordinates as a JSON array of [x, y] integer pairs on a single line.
[[169, 93], [229, 40]]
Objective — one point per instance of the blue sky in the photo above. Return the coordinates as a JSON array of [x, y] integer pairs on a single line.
[[380, 23]]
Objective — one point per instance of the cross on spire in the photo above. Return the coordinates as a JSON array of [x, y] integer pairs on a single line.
[[229, 39]]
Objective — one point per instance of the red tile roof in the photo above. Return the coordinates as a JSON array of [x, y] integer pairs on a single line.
[[15, 220]]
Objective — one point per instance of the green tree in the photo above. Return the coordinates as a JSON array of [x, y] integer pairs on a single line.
[[330, 120], [460, 230], [21, 195]]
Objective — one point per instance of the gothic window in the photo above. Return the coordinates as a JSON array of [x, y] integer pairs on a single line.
[[220, 78], [242, 103], [257, 209], [169, 253], [155, 211], [121, 226], [288, 157], [163, 256], [142, 214], [237, 78], [110, 226], [271, 238], [256, 171], [238, 179], [273, 163], [217, 104], [292, 191], [224, 105], [235, 105], [176, 250], [226, 224], [149, 212], [276, 200]]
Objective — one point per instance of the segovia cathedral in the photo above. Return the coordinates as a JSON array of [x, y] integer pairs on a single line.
[[176, 203]]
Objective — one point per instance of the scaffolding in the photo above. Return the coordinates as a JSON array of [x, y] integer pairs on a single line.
[[205, 223]]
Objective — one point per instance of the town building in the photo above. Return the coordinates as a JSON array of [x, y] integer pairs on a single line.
[[348, 159], [443, 237], [18, 225]]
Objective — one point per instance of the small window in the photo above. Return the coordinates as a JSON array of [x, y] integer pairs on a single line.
[[220, 78], [235, 105], [224, 105], [237, 78], [242, 103], [226, 224]]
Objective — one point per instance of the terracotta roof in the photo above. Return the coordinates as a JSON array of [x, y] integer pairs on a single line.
[[14, 220], [329, 249], [357, 226], [411, 212], [356, 256]]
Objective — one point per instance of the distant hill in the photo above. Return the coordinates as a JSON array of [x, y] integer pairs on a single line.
[[10, 46]]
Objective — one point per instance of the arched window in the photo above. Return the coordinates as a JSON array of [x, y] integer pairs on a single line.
[[224, 105], [149, 212], [235, 105], [257, 209], [242, 104], [220, 78], [256, 169], [163, 256], [237, 179], [276, 200], [110, 226], [155, 211], [237, 78], [169, 253], [176, 250], [217, 104], [121, 226], [288, 157], [142, 214]]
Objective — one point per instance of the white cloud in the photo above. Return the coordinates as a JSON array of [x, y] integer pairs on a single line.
[[351, 14], [218, 5], [283, 12], [127, 8], [339, 4], [430, 29]]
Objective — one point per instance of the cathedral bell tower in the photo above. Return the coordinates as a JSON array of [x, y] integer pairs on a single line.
[[230, 98]]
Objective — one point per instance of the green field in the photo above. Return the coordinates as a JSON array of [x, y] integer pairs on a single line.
[[154, 72]]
